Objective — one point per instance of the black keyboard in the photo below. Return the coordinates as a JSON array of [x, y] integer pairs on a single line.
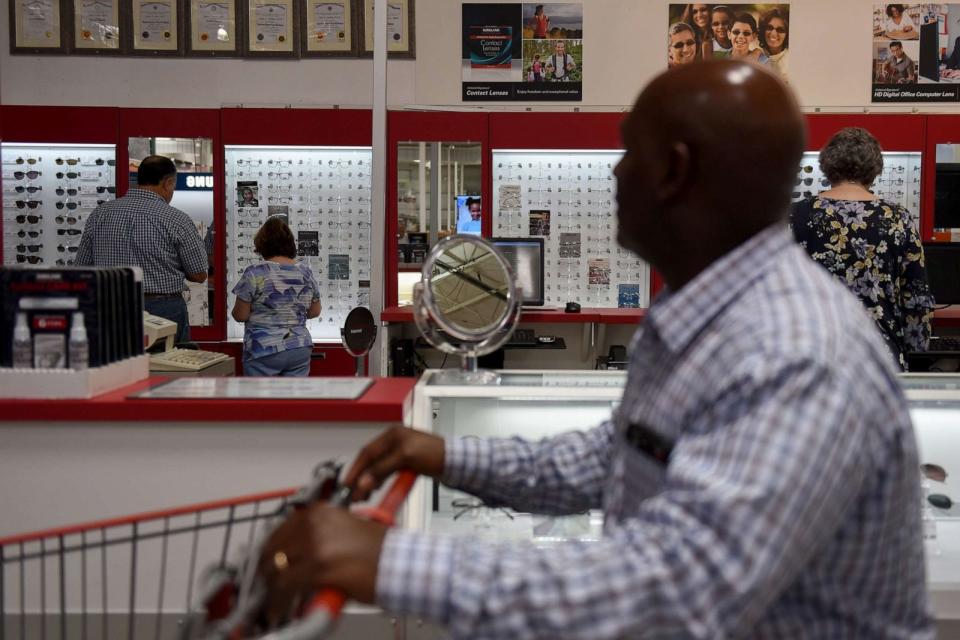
[[944, 343], [523, 338]]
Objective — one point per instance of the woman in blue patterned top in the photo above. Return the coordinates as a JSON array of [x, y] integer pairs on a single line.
[[275, 298], [869, 244]]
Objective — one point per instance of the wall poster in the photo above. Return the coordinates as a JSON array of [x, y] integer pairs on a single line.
[[213, 26], [525, 52], [401, 34], [155, 25], [758, 32], [329, 28], [270, 25], [915, 53]]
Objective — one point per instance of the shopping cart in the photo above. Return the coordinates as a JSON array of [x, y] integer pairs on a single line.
[[182, 573]]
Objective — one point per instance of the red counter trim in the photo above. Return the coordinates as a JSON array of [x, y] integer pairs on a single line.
[[587, 314], [386, 401]]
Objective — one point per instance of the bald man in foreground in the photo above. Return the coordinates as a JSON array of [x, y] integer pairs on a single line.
[[759, 478]]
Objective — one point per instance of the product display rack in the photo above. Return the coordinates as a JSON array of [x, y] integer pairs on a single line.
[[324, 193], [567, 198], [49, 190], [899, 182]]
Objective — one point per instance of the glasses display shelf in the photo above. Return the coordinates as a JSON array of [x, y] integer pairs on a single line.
[[568, 199], [324, 195], [49, 190]]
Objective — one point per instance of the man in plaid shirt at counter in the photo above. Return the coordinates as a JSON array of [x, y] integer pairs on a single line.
[[759, 478], [142, 229]]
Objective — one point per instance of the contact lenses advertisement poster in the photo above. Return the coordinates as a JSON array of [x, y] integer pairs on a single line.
[[522, 51], [915, 54], [756, 32]]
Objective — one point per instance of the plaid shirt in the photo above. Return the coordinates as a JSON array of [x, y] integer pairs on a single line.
[[788, 508], [142, 229]]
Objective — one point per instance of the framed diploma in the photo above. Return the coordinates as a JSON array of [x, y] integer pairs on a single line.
[[213, 28], [272, 28], [96, 26], [36, 27], [155, 27], [400, 28], [328, 29]]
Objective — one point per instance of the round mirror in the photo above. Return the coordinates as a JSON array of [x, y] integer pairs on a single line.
[[358, 334], [467, 302]]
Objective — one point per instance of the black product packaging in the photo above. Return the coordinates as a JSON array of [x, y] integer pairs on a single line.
[[135, 305], [48, 297]]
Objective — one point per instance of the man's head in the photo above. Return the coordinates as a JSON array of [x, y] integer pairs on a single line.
[[473, 206], [711, 157], [158, 174], [742, 33], [896, 48], [681, 44], [560, 47]]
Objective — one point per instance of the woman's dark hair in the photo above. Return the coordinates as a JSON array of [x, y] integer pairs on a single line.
[[851, 155], [275, 239], [746, 18], [890, 8], [687, 17], [155, 169], [765, 19], [538, 9]]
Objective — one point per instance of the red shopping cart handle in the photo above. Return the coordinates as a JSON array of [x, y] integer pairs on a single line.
[[332, 600]]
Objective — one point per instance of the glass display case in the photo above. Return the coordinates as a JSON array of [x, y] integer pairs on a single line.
[[541, 404], [324, 194], [899, 181], [567, 198], [48, 192], [534, 404]]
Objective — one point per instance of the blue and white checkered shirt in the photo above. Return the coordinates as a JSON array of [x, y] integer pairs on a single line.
[[142, 229], [789, 507]]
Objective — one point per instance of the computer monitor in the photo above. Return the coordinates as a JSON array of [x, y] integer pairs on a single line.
[[943, 271], [468, 215], [930, 51], [525, 256]]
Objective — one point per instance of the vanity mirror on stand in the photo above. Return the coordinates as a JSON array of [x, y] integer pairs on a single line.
[[467, 304]]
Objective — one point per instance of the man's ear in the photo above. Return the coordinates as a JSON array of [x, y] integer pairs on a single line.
[[678, 172]]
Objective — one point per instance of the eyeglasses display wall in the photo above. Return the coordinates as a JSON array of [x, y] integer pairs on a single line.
[[899, 181], [324, 194], [567, 198], [48, 192]]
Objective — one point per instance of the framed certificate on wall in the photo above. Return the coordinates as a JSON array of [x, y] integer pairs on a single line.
[[213, 28], [400, 28], [328, 28], [96, 26], [36, 26], [272, 28], [155, 27]]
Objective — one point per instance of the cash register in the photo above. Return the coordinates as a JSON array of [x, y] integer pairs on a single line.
[[179, 361]]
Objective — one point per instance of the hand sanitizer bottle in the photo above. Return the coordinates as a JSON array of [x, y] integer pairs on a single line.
[[22, 346], [79, 347]]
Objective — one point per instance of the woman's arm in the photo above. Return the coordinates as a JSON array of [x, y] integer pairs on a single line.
[[241, 310], [314, 309]]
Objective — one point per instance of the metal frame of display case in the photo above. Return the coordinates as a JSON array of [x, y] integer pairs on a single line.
[[183, 123]]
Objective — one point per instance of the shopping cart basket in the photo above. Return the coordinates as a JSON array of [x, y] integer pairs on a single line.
[[187, 572]]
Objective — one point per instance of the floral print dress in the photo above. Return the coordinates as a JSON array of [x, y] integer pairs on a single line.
[[874, 248]]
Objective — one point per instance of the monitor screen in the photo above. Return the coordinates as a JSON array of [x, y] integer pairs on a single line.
[[946, 201], [525, 255], [943, 271], [930, 51], [468, 215]]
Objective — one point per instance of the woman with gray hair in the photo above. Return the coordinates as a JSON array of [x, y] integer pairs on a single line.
[[869, 244]]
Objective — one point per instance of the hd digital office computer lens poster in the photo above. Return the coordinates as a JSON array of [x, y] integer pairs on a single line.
[[916, 53], [757, 32], [526, 52]]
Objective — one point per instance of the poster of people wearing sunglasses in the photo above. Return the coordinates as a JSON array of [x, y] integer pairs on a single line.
[[916, 52], [757, 32]]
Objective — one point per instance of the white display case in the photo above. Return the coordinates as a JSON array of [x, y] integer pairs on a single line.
[[540, 404], [324, 192], [899, 181], [49, 191], [568, 199]]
